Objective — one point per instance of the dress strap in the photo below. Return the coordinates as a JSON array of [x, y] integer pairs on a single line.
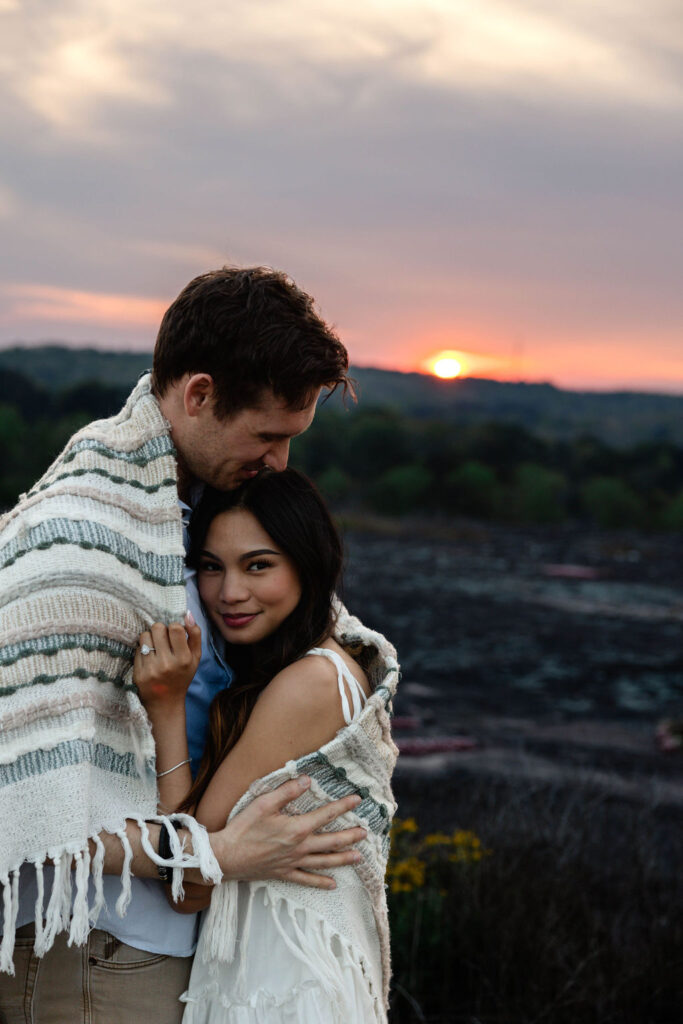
[[344, 676]]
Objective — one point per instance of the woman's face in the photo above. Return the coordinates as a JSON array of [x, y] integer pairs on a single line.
[[248, 585]]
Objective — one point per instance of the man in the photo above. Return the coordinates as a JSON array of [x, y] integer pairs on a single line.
[[92, 555]]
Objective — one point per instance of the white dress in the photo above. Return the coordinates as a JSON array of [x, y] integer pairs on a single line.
[[289, 964]]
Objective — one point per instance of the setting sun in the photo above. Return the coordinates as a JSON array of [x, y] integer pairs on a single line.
[[448, 368]]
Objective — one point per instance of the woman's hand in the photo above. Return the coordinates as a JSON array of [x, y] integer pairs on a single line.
[[197, 897], [164, 674]]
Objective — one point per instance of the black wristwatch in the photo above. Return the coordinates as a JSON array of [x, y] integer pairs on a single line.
[[163, 871]]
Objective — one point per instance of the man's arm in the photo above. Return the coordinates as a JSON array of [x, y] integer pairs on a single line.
[[258, 843]]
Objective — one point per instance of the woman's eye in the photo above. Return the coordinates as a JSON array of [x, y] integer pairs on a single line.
[[257, 566], [206, 565]]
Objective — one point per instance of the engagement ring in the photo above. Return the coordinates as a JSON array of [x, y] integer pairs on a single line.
[[146, 649]]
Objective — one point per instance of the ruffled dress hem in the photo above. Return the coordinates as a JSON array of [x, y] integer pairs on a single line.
[[331, 982]]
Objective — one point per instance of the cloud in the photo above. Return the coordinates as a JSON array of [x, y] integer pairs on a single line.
[[71, 61], [435, 172], [64, 60], [67, 306]]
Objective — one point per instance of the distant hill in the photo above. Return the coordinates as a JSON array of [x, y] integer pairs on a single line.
[[619, 418], [57, 367]]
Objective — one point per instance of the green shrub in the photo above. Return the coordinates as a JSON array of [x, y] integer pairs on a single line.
[[539, 494], [400, 490], [375, 442], [611, 502], [472, 490], [334, 484], [672, 517]]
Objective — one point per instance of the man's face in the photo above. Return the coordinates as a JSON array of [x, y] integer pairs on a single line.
[[225, 453]]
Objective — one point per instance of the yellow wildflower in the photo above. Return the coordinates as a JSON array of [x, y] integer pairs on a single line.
[[403, 825], [437, 839], [464, 837], [468, 848], [406, 874]]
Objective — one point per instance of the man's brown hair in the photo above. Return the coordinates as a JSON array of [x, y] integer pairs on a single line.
[[251, 329]]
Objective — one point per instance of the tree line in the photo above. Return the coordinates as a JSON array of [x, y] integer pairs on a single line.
[[378, 460], [389, 464]]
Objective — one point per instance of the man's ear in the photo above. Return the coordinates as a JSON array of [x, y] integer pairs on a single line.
[[198, 394]]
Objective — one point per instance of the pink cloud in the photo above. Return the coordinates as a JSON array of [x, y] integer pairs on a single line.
[[68, 306]]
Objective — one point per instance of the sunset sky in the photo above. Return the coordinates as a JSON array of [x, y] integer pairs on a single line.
[[500, 179]]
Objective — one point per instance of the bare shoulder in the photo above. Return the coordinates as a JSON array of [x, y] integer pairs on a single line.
[[308, 689], [311, 682], [301, 702]]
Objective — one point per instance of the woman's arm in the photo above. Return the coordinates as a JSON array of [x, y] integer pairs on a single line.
[[297, 713], [163, 677]]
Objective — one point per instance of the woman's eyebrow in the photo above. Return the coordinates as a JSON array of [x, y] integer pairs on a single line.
[[208, 554], [261, 551]]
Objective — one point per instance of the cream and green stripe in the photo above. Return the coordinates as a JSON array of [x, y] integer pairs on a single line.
[[90, 557]]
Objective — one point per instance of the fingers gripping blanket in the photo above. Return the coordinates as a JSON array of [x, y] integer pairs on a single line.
[[91, 556]]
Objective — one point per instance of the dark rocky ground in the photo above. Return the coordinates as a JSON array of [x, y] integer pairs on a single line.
[[556, 653], [560, 679]]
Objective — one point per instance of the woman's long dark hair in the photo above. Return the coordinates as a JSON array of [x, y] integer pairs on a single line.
[[291, 511]]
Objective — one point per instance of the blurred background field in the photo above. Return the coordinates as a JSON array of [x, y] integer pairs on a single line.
[[522, 547]]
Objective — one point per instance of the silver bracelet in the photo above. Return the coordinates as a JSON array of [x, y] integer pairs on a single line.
[[168, 771]]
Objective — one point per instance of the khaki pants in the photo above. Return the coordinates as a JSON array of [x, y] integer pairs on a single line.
[[103, 982]]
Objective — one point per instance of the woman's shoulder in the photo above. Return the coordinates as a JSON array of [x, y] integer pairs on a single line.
[[301, 702], [310, 679], [312, 682]]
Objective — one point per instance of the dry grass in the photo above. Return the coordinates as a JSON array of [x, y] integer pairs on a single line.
[[574, 917]]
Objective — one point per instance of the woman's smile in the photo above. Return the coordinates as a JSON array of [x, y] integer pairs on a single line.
[[238, 620]]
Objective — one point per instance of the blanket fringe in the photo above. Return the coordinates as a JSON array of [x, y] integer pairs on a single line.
[[73, 868], [97, 872], [220, 927], [202, 856], [80, 923], [40, 898], [10, 909]]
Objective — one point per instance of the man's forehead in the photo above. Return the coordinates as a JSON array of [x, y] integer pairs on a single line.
[[273, 410]]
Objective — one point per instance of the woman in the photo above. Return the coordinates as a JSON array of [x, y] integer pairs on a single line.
[[268, 561]]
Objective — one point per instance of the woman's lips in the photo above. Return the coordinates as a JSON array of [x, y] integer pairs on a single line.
[[237, 621]]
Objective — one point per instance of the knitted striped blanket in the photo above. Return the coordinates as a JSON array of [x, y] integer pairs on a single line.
[[90, 557]]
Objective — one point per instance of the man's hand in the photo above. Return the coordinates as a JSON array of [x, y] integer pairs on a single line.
[[261, 842]]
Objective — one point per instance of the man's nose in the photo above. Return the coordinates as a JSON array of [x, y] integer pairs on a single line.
[[277, 456]]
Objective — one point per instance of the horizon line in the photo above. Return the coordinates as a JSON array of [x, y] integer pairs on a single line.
[[443, 382]]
